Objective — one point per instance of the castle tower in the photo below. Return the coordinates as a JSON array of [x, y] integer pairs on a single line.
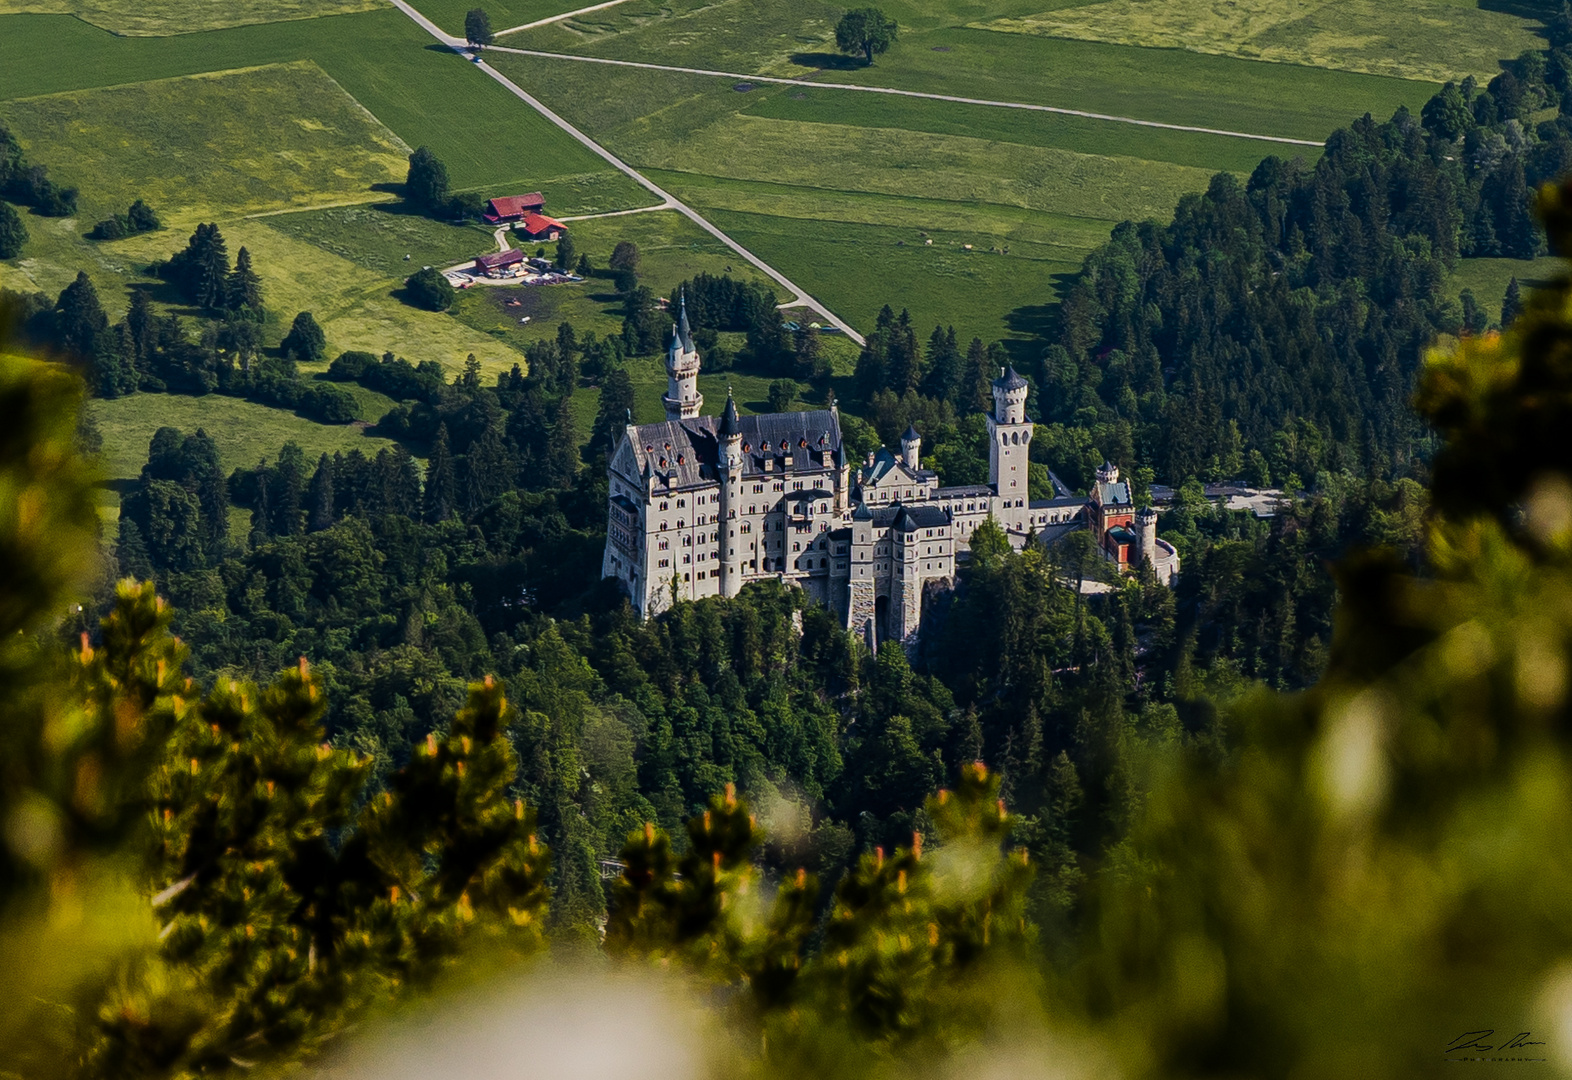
[[1107, 473], [1009, 436], [1146, 535], [682, 399], [729, 467], [911, 447]]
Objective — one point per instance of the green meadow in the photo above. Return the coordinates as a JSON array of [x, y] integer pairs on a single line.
[[1432, 40], [795, 38], [157, 18]]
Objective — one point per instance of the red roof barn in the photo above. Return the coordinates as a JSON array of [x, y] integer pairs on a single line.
[[513, 207]]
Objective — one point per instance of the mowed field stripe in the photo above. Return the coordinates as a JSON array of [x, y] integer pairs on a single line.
[[1059, 110]]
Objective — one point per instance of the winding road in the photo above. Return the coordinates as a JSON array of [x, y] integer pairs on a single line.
[[798, 297]]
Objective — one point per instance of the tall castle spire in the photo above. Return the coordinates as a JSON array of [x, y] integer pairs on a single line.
[[682, 399]]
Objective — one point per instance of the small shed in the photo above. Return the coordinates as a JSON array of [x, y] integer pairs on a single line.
[[540, 227], [498, 263]]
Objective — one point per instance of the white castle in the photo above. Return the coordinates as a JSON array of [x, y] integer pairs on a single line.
[[702, 505]]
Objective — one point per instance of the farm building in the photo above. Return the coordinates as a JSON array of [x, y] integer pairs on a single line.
[[540, 227], [514, 207], [500, 263]]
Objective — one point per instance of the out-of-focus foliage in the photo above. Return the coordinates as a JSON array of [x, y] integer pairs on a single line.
[[902, 943], [284, 908], [76, 735], [1381, 864], [190, 883]]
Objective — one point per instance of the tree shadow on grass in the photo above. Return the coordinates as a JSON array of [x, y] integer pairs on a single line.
[[827, 61], [1541, 10]]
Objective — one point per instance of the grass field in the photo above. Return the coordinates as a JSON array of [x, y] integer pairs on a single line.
[[378, 237], [238, 142], [795, 38], [243, 431], [1488, 278], [426, 95], [163, 17], [1433, 40]]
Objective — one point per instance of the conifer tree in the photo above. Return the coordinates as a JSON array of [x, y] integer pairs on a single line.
[[441, 495], [243, 289], [305, 341], [320, 497], [13, 233], [1512, 305], [142, 322], [79, 317]]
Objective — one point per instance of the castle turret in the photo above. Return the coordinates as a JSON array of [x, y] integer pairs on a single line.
[[911, 448], [1009, 439], [682, 399], [1146, 535], [729, 469], [1108, 473], [1009, 397]]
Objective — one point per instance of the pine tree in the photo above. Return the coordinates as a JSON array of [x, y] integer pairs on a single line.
[[286, 492], [320, 497], [305, 341], [487, 470], [441, 496], [243, 289], [143, 324], [976, 391], [208, 267], [1512, 306], [131, 550], [561, 462], [13, 233], [79, 317]]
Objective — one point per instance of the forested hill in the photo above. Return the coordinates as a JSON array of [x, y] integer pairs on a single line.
[[1307, 295]]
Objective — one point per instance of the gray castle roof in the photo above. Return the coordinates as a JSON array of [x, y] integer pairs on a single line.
[[688, 450], [730, 425], [912, 518], [681, 329], [911, 434], [1009, 380]]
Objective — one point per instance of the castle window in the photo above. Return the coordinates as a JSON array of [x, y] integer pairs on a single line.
[[665, 545], [663, 526], [701, 575], [687, 559], [682, 502], [665, 562], [663, 507], [758, 489], [796, 547]]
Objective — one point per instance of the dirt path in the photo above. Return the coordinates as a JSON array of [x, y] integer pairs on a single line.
[[559, 18], [797, 297], [909, 93]]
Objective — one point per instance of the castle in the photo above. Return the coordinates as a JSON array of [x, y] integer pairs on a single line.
[[701, 505]]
